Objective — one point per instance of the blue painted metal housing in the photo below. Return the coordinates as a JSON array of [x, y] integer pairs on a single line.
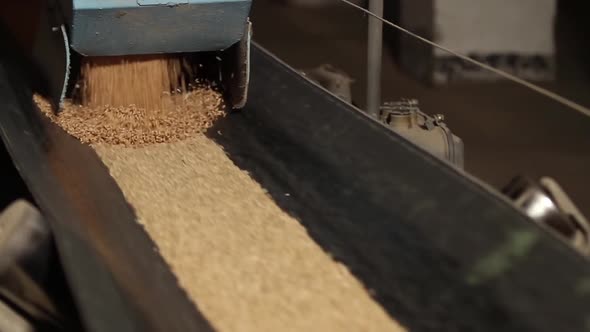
[[125, 27]]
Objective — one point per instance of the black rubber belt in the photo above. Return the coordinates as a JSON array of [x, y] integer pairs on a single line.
[[437, 250]]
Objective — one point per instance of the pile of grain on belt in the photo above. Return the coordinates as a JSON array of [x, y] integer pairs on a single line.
[[126, 80], [180, 116], [247, 264]]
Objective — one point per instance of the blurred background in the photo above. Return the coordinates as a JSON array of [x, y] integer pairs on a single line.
[[506, 128]]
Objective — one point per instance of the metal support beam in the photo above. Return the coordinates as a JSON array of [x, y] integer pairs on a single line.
[[374, 55]]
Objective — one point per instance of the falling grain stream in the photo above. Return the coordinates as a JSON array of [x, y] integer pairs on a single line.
[[247, 264]]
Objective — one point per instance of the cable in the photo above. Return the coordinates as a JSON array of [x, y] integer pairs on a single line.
[[549, 94]]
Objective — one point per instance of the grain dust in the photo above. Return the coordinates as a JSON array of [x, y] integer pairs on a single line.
[[247, 264], [122, 81], [180, 117]]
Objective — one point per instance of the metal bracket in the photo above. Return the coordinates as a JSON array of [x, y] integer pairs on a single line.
[[236, 69], [430, 132], [546, 203]]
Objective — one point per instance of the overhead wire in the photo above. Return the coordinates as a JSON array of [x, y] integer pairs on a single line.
[[547, 93]]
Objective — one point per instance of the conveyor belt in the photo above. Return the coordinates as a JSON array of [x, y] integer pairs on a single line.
[[438, 250], [119, 280]]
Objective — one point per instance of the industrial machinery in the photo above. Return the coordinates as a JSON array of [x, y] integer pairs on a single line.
[[547, 204], [54, 33], [428, 132], [436, 248], [404, 116], [332, 79]]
